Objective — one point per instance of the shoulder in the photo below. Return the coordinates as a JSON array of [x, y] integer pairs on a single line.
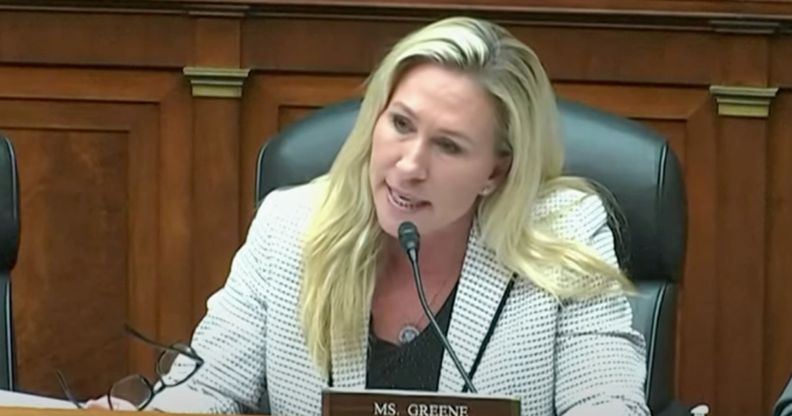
[[570, 213], [294, 202], [294, 199], [287, 210]]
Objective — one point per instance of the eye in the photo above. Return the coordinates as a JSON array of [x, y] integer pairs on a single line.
[[400, 123], [448, 146]]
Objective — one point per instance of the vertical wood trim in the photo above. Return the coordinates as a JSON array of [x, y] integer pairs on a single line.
[[742, 182], [143, 246], [215, 157], [778, 348], [741, 268], [216, 194], [175, 221], [216, 42], [259, 114], [697, 332], [744, 60]]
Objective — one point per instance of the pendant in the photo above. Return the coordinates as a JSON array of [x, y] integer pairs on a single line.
[[407, 334]]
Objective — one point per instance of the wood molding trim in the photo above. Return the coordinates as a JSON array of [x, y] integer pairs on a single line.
[[747, 26], [743, 101], [730, 16], [216, 82]]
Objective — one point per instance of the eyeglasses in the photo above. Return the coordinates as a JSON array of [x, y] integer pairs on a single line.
[[175, 365]]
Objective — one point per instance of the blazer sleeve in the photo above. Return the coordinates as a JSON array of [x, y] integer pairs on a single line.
[[230, 337], [600, 358]]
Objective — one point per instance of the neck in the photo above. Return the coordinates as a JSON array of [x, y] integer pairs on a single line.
[[441, 252]]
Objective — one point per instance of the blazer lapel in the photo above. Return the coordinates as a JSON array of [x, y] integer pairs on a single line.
[[481, 286], [349, 360]]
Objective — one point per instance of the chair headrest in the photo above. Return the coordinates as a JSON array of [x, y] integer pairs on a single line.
[[639, 168], [632, 162], [9, 206]]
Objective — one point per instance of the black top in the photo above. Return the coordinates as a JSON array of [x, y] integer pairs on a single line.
[[411, 366]]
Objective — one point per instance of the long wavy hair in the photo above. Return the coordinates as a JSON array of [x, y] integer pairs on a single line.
[[344, 241]]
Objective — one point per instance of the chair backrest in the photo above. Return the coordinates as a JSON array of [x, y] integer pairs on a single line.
[[9, 246], [633, 163], [783, 406]]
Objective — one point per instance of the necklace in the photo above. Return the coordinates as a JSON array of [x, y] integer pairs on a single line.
[[407, 334], [410, 331]]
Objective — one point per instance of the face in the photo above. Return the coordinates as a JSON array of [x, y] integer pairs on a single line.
[[433, 151]]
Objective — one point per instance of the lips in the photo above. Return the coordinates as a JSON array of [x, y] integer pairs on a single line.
[[404, 201]]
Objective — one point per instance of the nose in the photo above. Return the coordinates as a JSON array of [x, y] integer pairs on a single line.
[[414, 161]]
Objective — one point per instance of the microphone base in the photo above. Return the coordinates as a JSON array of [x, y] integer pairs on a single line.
[[350, 402]]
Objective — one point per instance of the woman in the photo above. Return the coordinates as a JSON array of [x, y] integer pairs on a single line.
[[458, 134]]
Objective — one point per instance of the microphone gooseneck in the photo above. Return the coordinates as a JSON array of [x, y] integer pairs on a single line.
[[410, 243]]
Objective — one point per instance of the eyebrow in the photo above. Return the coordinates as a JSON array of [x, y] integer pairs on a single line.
[[448, 132]]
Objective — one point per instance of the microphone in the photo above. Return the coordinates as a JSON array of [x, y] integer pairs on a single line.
[[410, 242]]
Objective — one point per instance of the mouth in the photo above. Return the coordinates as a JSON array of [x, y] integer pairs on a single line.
[[404, 201]]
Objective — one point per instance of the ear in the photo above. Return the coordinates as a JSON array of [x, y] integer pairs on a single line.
[[499, 172]]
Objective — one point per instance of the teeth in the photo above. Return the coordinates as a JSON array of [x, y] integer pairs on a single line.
[[402, 201]]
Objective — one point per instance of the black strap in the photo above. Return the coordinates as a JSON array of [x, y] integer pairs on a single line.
[[491, 330]]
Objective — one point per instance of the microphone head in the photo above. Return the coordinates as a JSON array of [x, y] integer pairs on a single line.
[[408, 236]]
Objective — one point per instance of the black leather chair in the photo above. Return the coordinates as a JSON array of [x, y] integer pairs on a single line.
[[783, 406], [633, 163], [9, 245]]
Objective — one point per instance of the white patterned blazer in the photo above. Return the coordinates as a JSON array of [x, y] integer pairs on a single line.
[[559, 357]]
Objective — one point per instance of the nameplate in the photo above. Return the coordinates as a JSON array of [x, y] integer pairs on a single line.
[[348, 402]]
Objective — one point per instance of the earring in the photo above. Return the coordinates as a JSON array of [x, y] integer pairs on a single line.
[[487, 190]]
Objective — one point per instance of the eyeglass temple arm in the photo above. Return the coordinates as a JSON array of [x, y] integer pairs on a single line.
[[148, 340], [66, 390]]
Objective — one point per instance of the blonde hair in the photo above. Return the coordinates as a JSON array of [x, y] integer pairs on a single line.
[[344, 241]]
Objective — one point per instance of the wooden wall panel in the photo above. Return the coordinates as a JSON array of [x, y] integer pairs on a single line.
[[92, 216], [579, 54], [598, 54], [104, 82], [57, 169], [303, 44], [780, 58], [73, 37]]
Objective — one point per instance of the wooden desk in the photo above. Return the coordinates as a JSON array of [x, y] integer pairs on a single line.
[[26, 411]]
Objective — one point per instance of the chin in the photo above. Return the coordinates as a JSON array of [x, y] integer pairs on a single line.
[[389, 226], [389, 223]]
